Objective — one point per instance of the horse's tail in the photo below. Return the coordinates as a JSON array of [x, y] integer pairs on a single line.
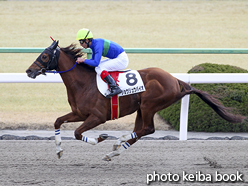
[[215, 104]]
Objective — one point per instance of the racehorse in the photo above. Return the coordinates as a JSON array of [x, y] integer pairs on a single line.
[[89, 105]]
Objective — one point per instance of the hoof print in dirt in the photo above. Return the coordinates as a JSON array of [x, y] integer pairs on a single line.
[[212, 163]]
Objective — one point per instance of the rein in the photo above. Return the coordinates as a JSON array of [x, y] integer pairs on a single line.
[[59, 72]]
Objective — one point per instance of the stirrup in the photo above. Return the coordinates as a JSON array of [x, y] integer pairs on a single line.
[[113, 93]]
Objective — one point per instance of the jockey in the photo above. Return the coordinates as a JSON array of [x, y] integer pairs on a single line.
[[117, 58]]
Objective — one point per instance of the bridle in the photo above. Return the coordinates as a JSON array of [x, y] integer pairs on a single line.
[[52, 64]]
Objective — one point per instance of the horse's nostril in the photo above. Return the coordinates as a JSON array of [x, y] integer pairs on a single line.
[[28, 71]]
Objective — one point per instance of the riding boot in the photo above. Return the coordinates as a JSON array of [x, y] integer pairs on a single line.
[[113, 86]]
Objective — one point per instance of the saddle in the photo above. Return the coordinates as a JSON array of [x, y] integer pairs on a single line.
[[129, 81]]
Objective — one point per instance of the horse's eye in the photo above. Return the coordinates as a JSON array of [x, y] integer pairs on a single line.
[[45, 57]]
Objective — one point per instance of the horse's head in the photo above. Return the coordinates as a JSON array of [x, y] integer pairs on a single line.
[[47, 60]]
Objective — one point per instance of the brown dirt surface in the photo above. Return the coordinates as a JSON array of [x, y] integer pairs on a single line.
[[36, 163]]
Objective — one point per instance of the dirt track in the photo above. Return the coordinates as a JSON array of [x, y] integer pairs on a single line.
[[35, 162]]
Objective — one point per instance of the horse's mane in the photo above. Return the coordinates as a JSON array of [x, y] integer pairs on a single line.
[[75, 53]]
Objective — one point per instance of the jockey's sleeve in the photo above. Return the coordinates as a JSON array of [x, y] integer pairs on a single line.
[[97, 48], [103, 47]]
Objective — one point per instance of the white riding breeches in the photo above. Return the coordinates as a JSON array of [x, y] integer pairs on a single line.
[[119, 63]]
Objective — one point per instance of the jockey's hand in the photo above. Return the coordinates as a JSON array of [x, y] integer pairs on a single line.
[[80, 60]]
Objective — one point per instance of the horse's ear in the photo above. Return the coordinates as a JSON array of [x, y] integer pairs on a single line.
[[54, 45]]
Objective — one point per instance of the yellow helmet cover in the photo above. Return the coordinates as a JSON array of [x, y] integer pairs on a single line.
[[84, 34]]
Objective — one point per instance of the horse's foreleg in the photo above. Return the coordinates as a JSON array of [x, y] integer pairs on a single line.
[[94, 141], [118, 149], [124, 138], [59, 150], [71, 117], [144, 125], [128, 140], [91, 122]]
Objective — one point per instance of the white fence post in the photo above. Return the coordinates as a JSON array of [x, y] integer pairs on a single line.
[[184, 118]]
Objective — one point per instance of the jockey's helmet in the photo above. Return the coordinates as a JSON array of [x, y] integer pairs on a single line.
[[84, 34]]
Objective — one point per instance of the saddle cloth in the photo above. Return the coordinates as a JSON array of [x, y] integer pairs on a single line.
[[129, 82]]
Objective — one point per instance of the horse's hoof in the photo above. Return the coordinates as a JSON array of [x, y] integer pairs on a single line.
[[116, 147], [106, 158], [104, 136], [59, 154]]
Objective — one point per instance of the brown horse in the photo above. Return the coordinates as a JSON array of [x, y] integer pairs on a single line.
[[90, 106]]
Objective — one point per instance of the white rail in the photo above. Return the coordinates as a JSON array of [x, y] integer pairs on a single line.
[[188, 78]]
